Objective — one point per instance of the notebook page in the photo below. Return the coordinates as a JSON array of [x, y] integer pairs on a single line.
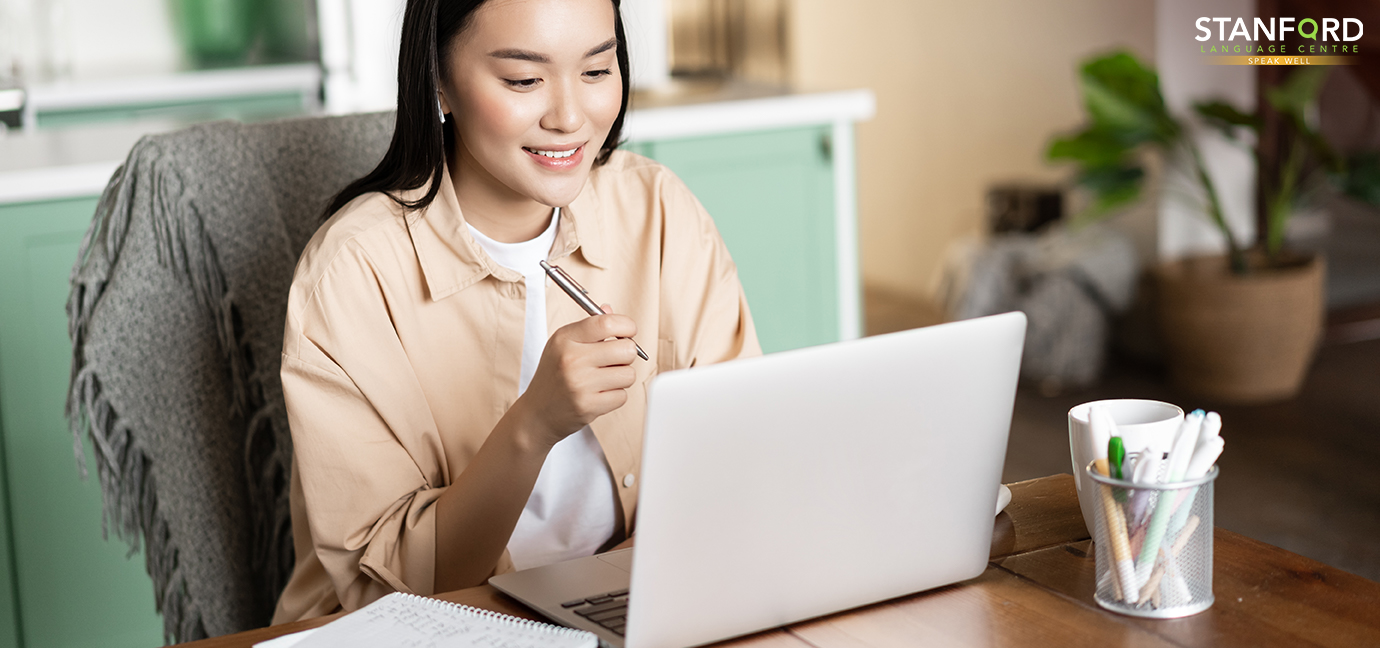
[[408, 621]]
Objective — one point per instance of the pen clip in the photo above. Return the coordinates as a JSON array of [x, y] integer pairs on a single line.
[[570, 279]]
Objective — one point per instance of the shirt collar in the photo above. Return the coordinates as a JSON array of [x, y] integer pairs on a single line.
[[581, 227], [450, 258]]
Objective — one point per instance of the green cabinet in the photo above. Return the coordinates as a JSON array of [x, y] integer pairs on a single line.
[[771, 194], [61, 585], [772, 197], [9, 596], [247, 93], [247, 108]]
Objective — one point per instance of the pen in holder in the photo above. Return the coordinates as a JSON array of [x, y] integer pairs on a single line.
[[1154, 546]]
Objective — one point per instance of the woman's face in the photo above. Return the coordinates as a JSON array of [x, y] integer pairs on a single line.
[[533, 87]]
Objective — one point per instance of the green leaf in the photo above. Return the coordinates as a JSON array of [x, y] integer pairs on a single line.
[[1111, 179], [1298, 91], [1090, 147], [1123, 96], [1361, 178], [1111, 187], [1126, 111], [1226, 118]]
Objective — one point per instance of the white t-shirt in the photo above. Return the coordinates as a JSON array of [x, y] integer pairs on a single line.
[[570, 512]]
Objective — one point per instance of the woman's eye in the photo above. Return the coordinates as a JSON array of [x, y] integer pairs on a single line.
[[595, 74], [522, 83]]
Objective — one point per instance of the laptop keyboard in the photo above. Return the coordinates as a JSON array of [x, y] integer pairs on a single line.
[[609, 610]]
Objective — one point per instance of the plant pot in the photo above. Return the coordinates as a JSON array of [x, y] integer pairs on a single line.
[[216, 33], [1240, 338], [289, 34]]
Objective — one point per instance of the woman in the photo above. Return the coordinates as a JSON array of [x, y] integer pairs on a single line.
[[440, 435]]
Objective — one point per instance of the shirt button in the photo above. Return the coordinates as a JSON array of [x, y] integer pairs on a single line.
[[628, 480]]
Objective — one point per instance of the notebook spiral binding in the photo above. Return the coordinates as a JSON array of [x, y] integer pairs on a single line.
[[498, 618]]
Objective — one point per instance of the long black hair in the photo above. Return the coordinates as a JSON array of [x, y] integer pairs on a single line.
[[417, 153]]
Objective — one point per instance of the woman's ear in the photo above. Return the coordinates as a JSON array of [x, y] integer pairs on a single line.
[[441, 101]]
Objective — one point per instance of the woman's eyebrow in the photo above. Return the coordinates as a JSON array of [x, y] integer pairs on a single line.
[[537, 57], [521, 55], [602, 47]]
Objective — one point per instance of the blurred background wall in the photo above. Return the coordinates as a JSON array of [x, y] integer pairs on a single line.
[[86, 38], [968, 94]]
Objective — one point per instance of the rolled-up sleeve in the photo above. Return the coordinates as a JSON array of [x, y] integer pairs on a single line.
[[368, 457]]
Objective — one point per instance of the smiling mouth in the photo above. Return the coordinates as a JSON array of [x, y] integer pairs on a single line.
[[555, 155]]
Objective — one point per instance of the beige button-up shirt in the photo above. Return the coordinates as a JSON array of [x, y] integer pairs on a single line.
[[402, 351]]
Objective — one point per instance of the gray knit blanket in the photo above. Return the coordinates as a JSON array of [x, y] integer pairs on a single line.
[[176, 316]]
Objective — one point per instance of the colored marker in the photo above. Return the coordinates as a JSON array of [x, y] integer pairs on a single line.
[[1147, 472], [1103, 428], [1116, 455], [1179, 455]]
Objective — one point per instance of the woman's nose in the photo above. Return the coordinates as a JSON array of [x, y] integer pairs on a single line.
[[564, 114]]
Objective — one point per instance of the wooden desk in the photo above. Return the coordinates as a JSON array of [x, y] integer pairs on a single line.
[[1038, 590]]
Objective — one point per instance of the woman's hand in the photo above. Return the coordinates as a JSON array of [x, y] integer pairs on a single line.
[[582, 375]]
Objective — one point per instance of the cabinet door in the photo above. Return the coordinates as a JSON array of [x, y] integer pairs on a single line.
[[74, 588], [9, 600], [772, 196]]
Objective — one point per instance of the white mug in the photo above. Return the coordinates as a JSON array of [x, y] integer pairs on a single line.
[[1142, 424]]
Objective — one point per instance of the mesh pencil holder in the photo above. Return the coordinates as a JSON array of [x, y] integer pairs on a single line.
[[1158, 539]]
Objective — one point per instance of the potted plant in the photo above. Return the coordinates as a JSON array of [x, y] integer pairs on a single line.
[[1242, 326]]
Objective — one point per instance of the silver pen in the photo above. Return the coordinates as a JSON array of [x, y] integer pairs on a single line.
[[580, 295]]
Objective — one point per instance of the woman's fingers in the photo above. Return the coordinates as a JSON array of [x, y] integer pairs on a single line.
[[612, 377], [614, 352], [584, 372], [598, 328]]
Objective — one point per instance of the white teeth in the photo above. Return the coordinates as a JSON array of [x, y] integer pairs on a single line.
[[556, 154]]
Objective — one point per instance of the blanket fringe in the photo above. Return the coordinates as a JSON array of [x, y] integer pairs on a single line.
[[128, 488], [130, 500]]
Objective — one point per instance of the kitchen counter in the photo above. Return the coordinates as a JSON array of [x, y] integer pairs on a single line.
[[78, 161]]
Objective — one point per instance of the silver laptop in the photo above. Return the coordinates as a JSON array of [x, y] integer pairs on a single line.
[[801, 483]]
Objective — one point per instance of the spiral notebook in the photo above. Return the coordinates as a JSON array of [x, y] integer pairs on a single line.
[[410, 621]]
